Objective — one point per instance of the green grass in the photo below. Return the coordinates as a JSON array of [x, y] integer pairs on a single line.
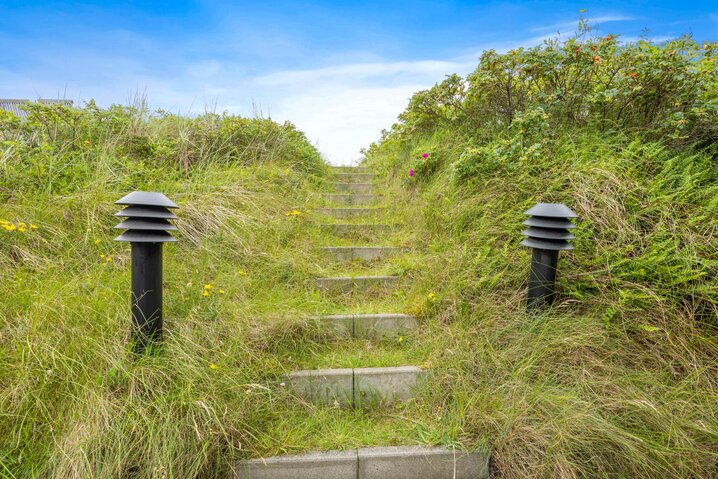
[[618, 380]]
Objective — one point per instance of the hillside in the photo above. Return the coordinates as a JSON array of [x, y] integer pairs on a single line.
[[618, 379]]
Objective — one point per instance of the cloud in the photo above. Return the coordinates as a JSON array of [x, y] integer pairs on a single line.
[[573, 25], [359, 71]]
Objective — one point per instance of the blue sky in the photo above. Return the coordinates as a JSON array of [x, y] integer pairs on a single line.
[[341, 71]]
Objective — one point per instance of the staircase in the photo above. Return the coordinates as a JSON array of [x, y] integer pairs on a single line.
[[352, 201]]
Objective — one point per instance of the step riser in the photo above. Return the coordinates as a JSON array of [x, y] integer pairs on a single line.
[[353, 177], [351, 200], [363, 188], [360, 231], [362, 253], [370, 325], [357, 284], [360, 387], [351, 169], [403, 462], [348, 212]]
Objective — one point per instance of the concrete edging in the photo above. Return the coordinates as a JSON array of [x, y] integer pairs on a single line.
[[364, 253], [349, 283], [361, 387], [370, 325], [398, 462]]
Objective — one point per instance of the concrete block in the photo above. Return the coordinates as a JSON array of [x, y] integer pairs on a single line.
[[351, 199], [354, 177], [351, 169], [317, 465], [323, 386], [360, 230], [412, 462], [369, 325], [374, 386], [340, 324], [352, 187], [348, 212], [345, 284], [363, 253]]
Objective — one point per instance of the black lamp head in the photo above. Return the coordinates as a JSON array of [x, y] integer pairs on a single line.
[[548, 227], [147, 216]]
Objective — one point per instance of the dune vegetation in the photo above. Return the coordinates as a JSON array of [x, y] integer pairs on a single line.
[[618, 380]]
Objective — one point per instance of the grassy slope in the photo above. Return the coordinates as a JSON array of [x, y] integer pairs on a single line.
[[620, 378], [74, 403]]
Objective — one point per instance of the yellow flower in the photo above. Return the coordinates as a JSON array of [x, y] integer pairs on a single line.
[[97, 241], [293, 213], [102, 255], [109, 259], [212, 366], [33, 227], [208, 286], [242, 273], [11, 227], [401, 339], [22, 225], [21, 229], [205, 293], [221, 291], [431, 297]]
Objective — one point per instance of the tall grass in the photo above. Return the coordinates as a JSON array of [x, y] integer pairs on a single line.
[[619, 379]]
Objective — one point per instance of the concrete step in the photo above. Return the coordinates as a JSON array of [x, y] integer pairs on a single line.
[[351, 199], [363, 253], [353, 177], [352, 187], [398, 462], [351, 169], [348, 212], [346, 229], [360, 387], [346, 284], [370, 325]]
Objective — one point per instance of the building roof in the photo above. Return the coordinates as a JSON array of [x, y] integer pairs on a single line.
[[13, 105]]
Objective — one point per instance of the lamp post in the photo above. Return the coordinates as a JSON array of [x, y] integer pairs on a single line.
[[147, 215], [547, 233]]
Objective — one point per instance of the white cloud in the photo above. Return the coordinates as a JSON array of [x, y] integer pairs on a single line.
[[573, 25], [341, 107]]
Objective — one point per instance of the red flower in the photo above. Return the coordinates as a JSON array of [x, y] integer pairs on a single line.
[[425, 155]]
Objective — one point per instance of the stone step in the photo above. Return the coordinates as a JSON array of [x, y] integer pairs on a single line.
[[363, 253], [351, 169], [370, 325], [359, 387], [353, 177], [397, 462], [345, 284], [352, 187], [347, 229], [348, 212], [351, 199]]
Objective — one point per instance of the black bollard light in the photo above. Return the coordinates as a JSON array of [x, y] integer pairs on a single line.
[[547, 234], [147, 224]]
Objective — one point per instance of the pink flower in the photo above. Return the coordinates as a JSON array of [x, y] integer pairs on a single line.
[[411, 172], [425, 155]]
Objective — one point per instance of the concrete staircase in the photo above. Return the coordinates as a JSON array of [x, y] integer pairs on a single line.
[[352, 199]]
